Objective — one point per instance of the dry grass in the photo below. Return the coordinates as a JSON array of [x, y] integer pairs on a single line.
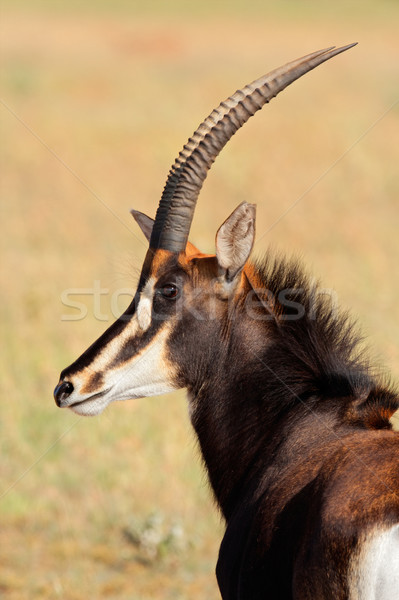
[[113, 93]]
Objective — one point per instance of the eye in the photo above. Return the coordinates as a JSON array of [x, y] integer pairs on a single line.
[[169, 291]]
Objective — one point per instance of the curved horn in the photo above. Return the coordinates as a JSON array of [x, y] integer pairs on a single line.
[[187, 174]]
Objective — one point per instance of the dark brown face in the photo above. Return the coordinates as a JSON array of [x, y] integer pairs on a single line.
[[178, 295], [132, 359]]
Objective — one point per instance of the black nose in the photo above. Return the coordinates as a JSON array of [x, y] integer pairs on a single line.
[[62, 391]]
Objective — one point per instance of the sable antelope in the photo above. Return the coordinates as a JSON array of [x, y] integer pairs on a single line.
[[294, 429]]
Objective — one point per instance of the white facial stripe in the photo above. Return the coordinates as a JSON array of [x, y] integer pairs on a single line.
[[140, 322], [112, 349], [145, 305], [147, 374]]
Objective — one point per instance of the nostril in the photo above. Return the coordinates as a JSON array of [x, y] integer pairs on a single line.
[[62, 391]]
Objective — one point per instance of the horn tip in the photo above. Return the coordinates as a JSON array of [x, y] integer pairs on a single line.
[[348, 46], [333, 50], [344, 48]]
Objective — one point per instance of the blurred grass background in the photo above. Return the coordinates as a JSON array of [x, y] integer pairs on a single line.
[[97, 99]]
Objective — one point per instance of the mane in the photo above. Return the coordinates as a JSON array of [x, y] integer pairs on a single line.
[[317, 351]]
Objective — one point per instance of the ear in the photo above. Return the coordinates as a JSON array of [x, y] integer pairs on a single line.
[[234, 240], [145, 223]]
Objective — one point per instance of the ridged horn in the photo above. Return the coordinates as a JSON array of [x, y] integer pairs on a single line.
[[187, 174]]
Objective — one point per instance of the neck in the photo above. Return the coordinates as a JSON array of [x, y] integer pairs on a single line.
[[275, 392], [242, 412], [247, 441]]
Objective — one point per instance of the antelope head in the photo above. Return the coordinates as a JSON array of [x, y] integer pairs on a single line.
[[167, 338]]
